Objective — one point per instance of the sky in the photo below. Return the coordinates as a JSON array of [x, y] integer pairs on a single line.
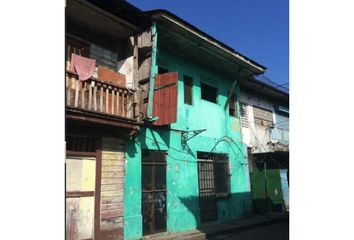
[[258, 29]]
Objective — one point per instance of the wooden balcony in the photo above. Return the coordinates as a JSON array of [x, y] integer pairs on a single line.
[[99, 102]]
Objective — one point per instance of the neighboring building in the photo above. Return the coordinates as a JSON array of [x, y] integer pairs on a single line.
[[101, 112], [264, 113], [187, 165]]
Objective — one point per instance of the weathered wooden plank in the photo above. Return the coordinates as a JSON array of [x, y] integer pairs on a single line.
[[121, 103], [101, 98], [111, 213], [113, 168], [112, 101], [124, 104], [83, 91], [68, 90], [117, 104], [111, 200], [76, 93], [130, 108], [90, 97], [108, 225], [113, 187], [95, 98], [112, 174], [165, 98], [107, 100], [112, 193], [116, 206], [112, 180], [112, 162], [114, 154]]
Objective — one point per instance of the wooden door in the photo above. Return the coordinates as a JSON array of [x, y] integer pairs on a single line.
[[153, 191], [80, 197]]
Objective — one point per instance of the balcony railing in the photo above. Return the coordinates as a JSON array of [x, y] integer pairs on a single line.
[[99, 97]]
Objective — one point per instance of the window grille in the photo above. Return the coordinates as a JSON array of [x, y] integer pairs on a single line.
[[243, 115]]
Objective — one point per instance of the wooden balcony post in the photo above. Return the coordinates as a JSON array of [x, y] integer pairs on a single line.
[[90, 97], [107, 99], [76, 93], [101, 98], [112, 105]]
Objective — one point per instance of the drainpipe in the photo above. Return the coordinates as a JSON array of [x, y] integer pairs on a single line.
[[153, 71]]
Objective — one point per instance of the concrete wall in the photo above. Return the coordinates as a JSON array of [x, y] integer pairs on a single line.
[[126, 66], [182, 175]]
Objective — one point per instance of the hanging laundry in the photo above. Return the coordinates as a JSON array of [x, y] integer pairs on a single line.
[[84, 67]]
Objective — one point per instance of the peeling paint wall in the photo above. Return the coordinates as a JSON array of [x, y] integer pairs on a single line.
[[126, 67], [256, 136], [182, 174]]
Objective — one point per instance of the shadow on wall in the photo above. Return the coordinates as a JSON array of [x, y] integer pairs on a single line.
[[266, 205], [207, 208]]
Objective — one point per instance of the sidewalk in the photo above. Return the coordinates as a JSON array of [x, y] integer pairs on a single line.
[[212, 230]]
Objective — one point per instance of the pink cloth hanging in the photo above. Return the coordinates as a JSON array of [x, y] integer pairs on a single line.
[[84, 67]]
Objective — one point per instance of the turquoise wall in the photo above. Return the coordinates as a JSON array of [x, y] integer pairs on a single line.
[[182, 178]]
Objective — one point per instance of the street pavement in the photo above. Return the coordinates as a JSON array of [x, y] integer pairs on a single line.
[[276, 231]]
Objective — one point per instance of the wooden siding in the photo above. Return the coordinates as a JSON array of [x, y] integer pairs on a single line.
[[112, 189], [262, 117], [165, 98], [142, 69]]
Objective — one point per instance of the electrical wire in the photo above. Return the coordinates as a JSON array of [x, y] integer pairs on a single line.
[[270, 157]]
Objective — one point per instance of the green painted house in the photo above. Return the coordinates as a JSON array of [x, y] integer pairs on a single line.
[[187, 165]]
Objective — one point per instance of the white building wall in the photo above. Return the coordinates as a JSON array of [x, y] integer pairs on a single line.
[[125, 67], [256, 136]]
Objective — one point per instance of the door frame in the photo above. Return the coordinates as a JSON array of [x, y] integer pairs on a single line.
[[98, 155], [164, 163]]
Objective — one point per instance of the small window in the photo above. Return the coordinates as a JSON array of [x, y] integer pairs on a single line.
[[188, 83], [76, 46], [162, 70], [209, 93], [104, 57], [232, 106]]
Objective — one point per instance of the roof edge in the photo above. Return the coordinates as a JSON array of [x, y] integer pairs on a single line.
[[223, 46]]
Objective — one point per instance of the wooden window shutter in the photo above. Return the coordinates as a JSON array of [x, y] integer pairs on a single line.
[[165, 98]]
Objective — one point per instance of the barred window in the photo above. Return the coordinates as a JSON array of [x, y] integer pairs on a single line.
[[243, 114], [220, 174]]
